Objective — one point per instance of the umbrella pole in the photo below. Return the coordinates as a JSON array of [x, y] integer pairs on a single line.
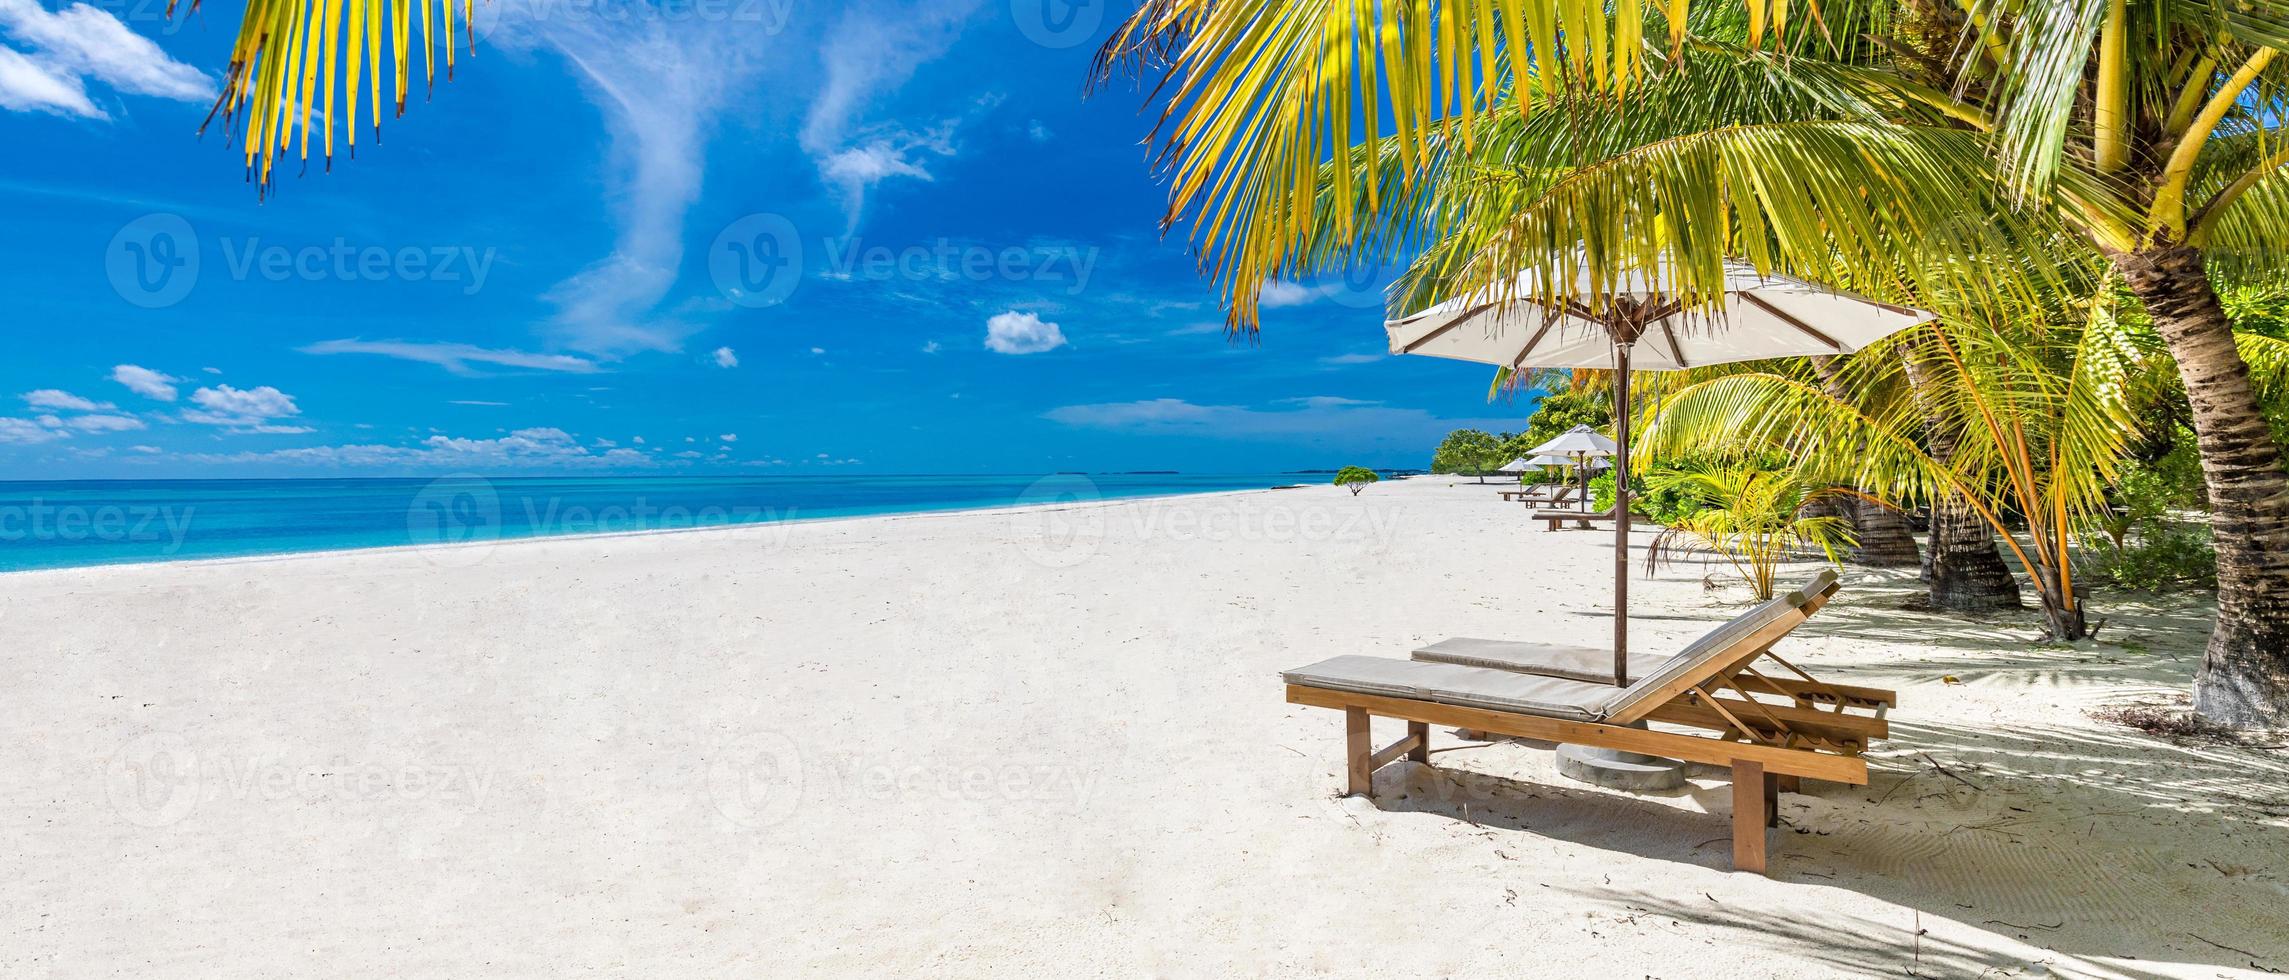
[[1621, 516]]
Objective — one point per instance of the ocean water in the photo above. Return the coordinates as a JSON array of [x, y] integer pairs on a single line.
[[70, 523]]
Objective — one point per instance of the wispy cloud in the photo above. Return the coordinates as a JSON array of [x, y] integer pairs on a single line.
[[63, 401], [61, 49], [146, 382], [456, 358], [524, 448], [661, 83], [874, 49]]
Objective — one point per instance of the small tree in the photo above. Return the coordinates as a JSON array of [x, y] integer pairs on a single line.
[[1753, 519], [1469, 452], [1355, 477]]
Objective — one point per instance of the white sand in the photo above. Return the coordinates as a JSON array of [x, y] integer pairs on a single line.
[[995, 742]]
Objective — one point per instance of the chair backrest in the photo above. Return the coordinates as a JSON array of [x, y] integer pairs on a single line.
[[1723, 651]]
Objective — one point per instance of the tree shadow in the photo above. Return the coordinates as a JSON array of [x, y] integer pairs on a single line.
[[2105, 844]]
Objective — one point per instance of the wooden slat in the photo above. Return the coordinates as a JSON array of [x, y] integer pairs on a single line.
[[1691, 748], [1812, 720], [1857, 697], [1743, 652]]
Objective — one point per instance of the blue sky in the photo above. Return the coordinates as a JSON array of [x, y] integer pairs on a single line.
[[731, 236]]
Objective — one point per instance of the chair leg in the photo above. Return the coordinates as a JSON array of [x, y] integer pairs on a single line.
[[1749, 794], [1421, 731], [1358, 749], [1790, 784]]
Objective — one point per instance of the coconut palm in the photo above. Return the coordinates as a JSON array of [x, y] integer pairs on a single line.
[[1907, 141], [2024, 419]]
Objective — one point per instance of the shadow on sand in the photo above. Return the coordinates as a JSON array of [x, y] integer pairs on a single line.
[[2099, 844]]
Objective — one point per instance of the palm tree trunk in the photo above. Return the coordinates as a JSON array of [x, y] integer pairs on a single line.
[[1885, 541], [1961, 570], [2244, 677]]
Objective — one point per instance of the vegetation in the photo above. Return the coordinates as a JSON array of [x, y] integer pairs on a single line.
[[1355, 477], [1749, 518], [1468, 452], [2012, 164]]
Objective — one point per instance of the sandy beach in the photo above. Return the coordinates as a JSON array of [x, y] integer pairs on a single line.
[[1053, 741]]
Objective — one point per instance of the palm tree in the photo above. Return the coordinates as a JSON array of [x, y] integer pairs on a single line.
[[2025, 418], [1914, 143]]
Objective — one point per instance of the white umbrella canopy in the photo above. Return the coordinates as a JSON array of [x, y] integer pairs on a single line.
[[1519, 465], [1580, 439], [1548, 460], [1644, 324], [1759, 317]]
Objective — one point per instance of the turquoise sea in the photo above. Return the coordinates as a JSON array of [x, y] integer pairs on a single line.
[[67, 523]]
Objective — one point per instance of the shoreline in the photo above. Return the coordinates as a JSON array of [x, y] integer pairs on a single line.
[[776, 522]]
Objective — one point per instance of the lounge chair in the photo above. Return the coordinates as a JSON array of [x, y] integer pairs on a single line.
[[1552, 518], [1542, 494], [1812, 730]]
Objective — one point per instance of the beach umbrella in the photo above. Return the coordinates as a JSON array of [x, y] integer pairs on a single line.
[[1519, 465], [1586, 446], [1644, 325]]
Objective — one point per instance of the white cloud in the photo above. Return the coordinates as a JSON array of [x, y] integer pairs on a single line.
[[1341, 359], [690, 454], [477, 403], [1021, 333], [146, 450], [28, 86], [63, 401], [250, 411], [1038, 132], [104, 423], [639, 440], [146, 382], [456, 358], [725, 358], [82, 42], [24, 432], [818, 350], [531, 448], [729, 437], [661, 83], [873, 49], [1278, 293], [931, 347]]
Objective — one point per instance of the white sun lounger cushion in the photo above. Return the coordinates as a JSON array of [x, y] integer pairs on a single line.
[[1590, 665], [1469, 687]]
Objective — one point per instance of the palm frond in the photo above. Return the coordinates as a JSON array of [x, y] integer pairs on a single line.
[[289, 56]]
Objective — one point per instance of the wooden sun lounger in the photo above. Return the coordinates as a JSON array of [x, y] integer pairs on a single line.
[[1552, 518], [1543, 494], [1770, 728]]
